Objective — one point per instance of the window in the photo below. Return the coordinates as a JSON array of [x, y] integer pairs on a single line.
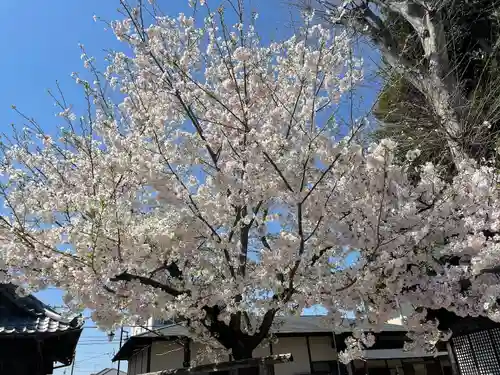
[[328, 368]]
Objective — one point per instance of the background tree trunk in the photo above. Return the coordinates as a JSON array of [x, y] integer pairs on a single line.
[[436, 46]]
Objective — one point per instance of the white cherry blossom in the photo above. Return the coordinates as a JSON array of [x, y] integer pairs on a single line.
[[217, 193]]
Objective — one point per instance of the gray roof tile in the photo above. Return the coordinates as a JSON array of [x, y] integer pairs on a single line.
[[28, 315]]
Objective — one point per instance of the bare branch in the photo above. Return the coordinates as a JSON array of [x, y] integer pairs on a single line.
[[287, 184]]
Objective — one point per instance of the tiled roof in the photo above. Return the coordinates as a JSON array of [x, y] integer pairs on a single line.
[[317, 324], [28, 315]]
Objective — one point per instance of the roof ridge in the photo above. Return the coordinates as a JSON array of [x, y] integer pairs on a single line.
[[59, 318], [155, 329], [37, 311], [8, 291]]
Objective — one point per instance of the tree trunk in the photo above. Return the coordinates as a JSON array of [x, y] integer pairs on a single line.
[[242, 351], [448, 104], [435, 79], [231, 336]]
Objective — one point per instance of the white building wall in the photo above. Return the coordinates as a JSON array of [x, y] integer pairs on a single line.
[[137, 330], [196, 348], [166, 355], [170, 355], [322, 348], [262, 351], [297, 346]]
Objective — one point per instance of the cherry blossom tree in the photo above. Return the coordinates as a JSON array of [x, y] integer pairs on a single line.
[[219, 193]]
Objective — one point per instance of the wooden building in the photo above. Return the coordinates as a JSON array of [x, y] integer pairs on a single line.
[[314, 349]]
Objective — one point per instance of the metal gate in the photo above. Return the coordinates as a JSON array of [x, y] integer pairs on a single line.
[[478, 353]]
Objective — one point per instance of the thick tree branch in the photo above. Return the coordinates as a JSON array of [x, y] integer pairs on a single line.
[[316, 257], [380, 34], [172, 268], [125, 276], [288, 186], [265, 327]]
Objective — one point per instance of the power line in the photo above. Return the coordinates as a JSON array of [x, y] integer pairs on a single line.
[[96, 341], [95, 356]]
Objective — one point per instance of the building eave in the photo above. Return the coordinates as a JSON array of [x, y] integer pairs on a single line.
[[136, 343]]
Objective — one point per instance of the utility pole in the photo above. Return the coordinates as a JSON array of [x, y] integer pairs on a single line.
[[119, 347], [73, 364]]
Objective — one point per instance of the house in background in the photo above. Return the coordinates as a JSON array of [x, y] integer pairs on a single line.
[[34, 339], [110, 371], [314, 350]]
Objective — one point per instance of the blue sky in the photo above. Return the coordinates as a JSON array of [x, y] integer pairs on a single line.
[[40, 42], [40, 45]]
